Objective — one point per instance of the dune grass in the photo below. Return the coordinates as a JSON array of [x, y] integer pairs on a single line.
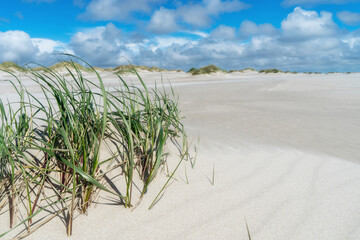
[[11, 67], [52, 146], [272, 70], [130, 69], [68, 65], [243, 70], [206, 70]]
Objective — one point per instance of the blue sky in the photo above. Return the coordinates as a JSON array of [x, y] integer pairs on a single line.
[[296, 35]]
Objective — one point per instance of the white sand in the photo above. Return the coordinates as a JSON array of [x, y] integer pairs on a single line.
[[286, 154]]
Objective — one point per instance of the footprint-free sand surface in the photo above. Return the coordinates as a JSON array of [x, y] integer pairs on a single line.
[[285, 149]]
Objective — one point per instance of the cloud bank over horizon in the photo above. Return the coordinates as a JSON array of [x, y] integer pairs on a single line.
[[180, 38]]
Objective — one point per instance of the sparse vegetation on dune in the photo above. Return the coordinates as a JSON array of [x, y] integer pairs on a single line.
[[206, 70], [130, 69], [271, 70], [11, 66], [56, 153], [67, 64], [313, 72], [243, 70], [123, 69], [99, 69]]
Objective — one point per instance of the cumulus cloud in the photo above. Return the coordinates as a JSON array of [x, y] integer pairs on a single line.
[[163, 21], [349, 18], [302, 24], [119, 10], [223, 33], [16, 46], [19, 47], [315, 2], [47, 46], [216, 7], [306, 41], [248, 28], [164, 42], [102, 46], [197, 33], [195, 15]]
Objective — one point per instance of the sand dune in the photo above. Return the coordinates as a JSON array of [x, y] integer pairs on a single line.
[[286, 153]]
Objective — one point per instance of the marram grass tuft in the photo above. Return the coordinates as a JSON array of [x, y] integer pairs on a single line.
[[52, 146]]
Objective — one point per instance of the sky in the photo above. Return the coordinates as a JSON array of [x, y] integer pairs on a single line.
[[291, 35]]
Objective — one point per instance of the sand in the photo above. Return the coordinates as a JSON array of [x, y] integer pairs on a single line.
[[285, 149]]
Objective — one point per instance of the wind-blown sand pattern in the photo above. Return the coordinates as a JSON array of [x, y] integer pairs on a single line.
[[285, 151]]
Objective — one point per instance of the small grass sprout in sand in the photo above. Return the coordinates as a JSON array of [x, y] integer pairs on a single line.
[[212, 180], [247, 229], [52, 146]]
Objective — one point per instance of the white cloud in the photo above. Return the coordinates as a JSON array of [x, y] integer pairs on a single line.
[[306, 41], [218, 6], [16, 46], [349, 18], [315, 2], [118, 10], [197, 15], [197, 33], [302, 24], [163, 42], [102, 46], [19, 47], [163, 21], [223, 33], [248, 28], [47, 45]]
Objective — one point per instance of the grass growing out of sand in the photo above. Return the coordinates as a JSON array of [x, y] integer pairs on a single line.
[[10, 66], [125, 69], [272, 70], [206, 70], [52, 146]]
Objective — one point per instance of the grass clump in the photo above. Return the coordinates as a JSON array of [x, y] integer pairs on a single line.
[[11, 67], [243, 70], [58, 150], [130, 69], [66, 65], [124, 69], [206, 70], [271, 70]]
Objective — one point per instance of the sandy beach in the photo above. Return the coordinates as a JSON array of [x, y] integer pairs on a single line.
[[284, 149]]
